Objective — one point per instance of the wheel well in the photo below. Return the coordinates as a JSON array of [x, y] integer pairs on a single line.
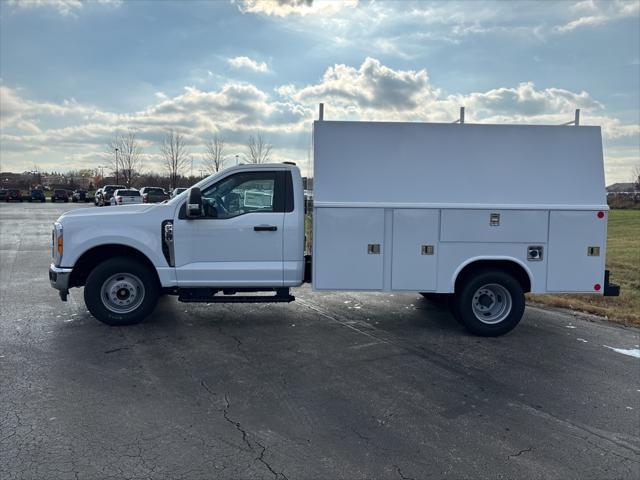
[[91, 258], [512, 268]]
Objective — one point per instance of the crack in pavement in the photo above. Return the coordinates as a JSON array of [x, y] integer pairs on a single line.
[[403, 477], [139, 342], [245, 438], [521, 452]]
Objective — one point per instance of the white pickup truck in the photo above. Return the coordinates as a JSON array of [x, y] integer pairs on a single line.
[[481, 213]]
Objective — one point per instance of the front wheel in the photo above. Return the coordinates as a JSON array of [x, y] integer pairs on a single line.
[[121, 291], [489, 303]]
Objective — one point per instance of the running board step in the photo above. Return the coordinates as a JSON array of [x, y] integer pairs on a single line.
[[205, 296]]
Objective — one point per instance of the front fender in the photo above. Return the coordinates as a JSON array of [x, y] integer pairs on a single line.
[[79, 242]]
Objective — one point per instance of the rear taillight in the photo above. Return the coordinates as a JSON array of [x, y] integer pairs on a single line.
[[119, 199], [145, 198]]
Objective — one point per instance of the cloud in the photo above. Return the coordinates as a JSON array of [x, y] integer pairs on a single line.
[[63, 7], [16, 109], [370, 88], [599, 13], [77, 131], [33, 130], [376, 92], [282, 8], [405, 29], [246, 62]]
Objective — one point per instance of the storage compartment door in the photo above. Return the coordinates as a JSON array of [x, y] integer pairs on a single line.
[[415, 238], [341, 252], [571, 267]]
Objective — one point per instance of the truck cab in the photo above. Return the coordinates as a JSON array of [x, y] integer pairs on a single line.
[[240, 230]]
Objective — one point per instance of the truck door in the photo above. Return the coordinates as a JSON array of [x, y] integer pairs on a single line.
[[239, 240]]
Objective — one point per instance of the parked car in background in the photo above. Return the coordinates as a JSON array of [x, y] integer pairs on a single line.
[[96, 196], [177, 191], [106, 193], [12, 195], [153, 195], [37, 195], [129, 196], [59, 195], [79, 195], [3, 193]]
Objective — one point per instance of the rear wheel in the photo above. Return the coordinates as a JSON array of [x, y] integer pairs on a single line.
[[489, 303], [121, 291]]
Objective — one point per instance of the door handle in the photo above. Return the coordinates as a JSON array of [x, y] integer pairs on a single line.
[[265, 228]]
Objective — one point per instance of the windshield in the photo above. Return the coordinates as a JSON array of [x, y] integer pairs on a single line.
[[201, 184]]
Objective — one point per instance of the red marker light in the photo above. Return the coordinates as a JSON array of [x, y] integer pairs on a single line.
[[596, 287], [600, 214]]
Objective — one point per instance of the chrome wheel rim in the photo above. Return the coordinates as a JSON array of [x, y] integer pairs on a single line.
[[491, 303], [122, 293]]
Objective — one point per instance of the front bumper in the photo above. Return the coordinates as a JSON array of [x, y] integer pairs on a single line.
[[59, 278]]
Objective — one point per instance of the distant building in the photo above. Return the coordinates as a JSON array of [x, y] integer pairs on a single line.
[[53, 180], [12, 180], [621, 187], [79, 182]]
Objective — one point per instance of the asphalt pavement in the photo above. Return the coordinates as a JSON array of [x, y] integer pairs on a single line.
[[334, 385]]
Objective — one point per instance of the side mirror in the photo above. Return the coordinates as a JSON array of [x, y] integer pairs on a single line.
[[194, 203]]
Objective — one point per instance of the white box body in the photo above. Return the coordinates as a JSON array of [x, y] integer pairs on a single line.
[[435, 198]]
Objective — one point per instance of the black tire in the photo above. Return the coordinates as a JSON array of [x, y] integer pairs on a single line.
[[106, 271], [508, 302], [66, 200], [43, 200], [53, 200]]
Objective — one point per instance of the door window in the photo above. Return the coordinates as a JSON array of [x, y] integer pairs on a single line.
[[251, 192]]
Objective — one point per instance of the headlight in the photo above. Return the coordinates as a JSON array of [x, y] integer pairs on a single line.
[[57, 243]]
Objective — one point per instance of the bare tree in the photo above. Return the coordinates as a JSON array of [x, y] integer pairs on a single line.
[[635, 176], [125, 155], [129, 156], [175, 154], [258, 149], [214, 157]]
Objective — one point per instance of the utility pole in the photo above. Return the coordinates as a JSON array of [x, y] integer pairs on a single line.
[[237, 158], [116, 165]]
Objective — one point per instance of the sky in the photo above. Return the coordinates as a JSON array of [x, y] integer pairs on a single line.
[[75, 73]]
